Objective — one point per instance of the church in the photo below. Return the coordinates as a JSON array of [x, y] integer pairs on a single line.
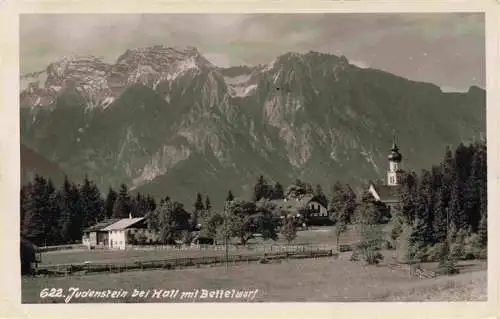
[[389, 193]]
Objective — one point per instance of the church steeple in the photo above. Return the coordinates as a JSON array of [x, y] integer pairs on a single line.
[[394, 173]]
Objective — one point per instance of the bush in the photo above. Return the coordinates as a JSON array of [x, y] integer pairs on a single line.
[[457, 251], [447, 267], [422, 254], [344, 248], [354, 256], [404, 251], [371, 243], [28, 257], [434, 252], [367, 255], [472, 247], [388, 244], [483, 254]]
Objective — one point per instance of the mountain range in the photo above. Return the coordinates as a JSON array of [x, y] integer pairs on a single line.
[[166, 121]]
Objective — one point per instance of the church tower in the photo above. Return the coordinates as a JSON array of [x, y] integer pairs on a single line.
[[394, 175]]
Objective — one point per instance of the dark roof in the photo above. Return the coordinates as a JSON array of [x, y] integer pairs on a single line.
[[123, 223], [388, 193], [293, 206], [101, 225], [322, 201]]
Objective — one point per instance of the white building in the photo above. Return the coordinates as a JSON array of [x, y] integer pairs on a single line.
[[389, 193], [119, 232]]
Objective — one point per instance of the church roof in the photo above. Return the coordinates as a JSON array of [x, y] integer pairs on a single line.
[[387, 194]]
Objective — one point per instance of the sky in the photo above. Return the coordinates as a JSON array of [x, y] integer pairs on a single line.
[[447, 49]]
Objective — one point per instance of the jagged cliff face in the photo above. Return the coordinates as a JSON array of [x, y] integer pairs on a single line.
[[169, 122]]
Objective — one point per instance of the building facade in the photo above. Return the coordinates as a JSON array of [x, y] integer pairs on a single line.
[[389, 193]]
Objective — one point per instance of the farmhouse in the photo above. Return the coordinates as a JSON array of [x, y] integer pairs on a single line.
[[96, 236], [389, 193], [317, 208], [118, 233], [307, 207]]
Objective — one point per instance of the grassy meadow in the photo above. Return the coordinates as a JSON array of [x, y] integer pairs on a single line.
[[325, 279], [322, 279], [323, 237]]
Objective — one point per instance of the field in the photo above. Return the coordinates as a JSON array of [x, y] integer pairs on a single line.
[[316, 280], [320, 238], [324, 279]]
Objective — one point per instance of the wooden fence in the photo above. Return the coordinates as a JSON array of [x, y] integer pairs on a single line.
[[60, 247], [414, 270], [171, 263]]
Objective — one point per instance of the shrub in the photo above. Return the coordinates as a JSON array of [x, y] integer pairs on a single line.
[[167, 266], [483, 253], [457, 251], [448, 267], [354, 256], [472, 247], [388, 244], [434, 252], [344, 248], [371, 243], [404, 251], [366, 254], [421, 254], [28, 256]]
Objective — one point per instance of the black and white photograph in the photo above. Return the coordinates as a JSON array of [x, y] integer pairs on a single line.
[[253, 157]]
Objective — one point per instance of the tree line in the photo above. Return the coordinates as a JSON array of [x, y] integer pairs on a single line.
[[448, 200], [443, 210], [441, 216], [56, 216]]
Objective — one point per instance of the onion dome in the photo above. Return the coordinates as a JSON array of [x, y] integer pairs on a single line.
[[394, 155]]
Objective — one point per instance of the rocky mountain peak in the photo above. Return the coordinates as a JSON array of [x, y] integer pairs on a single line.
[[175, 123], [100, 83]]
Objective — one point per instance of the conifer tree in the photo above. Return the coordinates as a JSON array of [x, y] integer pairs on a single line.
[[260, 189], [34, 223], [456, 206], [110, 202], [309, 189], [198, 204], [440, 221], [208, 205], [483, 230], [25, 193], [336, 204], [424, 210], [230, 196], [92, 203], [76, 217], [278, 192], [122, 205], [349, 204]]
